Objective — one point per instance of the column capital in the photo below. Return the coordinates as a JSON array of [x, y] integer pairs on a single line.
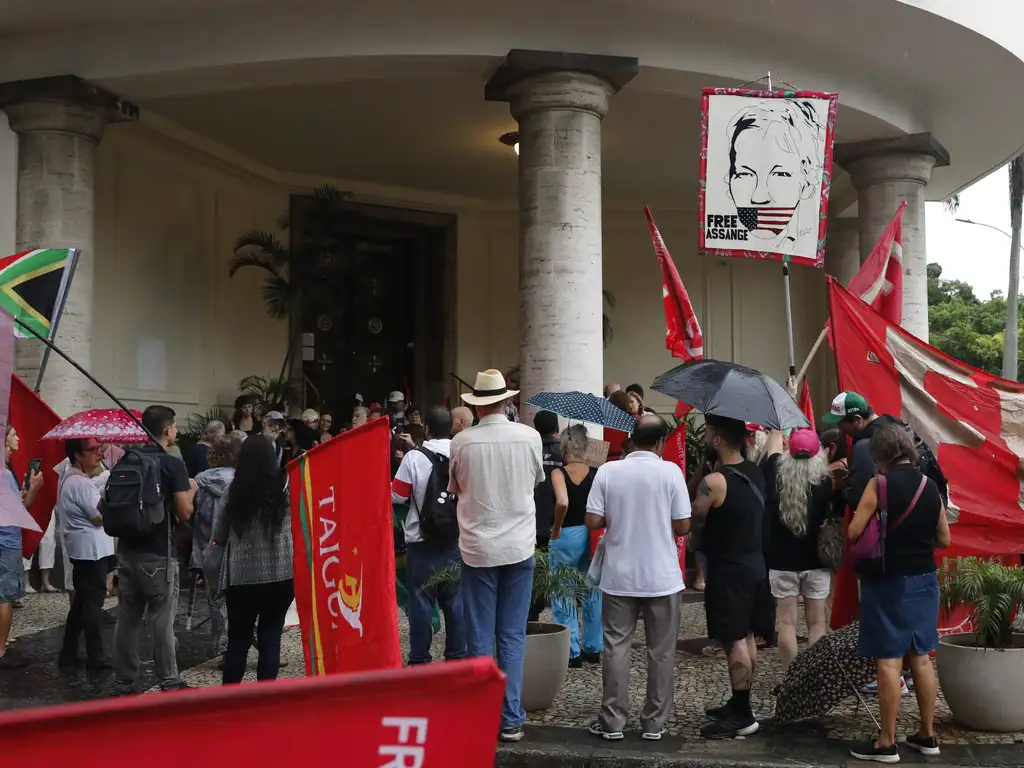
[[542, 80], [905, 158], [63, 104]]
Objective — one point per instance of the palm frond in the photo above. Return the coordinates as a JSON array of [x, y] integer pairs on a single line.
[[992, 591], [266, 242], [277, 293], [952, 204], [253, 256], [269, 393], [194, 426]]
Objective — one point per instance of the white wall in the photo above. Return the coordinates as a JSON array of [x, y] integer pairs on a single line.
[[171, 327]]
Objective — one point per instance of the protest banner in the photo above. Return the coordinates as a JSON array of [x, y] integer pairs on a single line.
[[344, 561]]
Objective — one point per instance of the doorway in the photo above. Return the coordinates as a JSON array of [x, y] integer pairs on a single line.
[[383, 318]]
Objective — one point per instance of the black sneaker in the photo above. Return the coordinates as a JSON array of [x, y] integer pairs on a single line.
[[100, 663], [576, 662], [723, 712], [182, 686], [511, 735], [731, 727], [871, 751], [591, 658], [598, 730], [926, 745]]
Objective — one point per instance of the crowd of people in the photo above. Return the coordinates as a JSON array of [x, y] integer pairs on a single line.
[[754, 513]]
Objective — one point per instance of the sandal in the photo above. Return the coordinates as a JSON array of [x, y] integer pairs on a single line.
[[713, 652]]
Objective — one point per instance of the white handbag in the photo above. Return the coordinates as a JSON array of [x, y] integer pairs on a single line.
[[596, 565]]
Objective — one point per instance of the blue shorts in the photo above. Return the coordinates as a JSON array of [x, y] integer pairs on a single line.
[[12, 575], [899, 615]]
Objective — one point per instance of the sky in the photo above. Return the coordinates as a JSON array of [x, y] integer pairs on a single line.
[[977, 255]]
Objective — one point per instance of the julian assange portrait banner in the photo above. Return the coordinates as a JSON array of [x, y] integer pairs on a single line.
[[765, 173]]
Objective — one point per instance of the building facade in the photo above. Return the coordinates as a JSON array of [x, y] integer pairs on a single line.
[[152, 136]]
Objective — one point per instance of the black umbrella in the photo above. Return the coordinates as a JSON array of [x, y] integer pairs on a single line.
[[733, 391]]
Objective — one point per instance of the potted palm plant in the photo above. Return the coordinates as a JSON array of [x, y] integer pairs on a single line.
[[546, 662], [982, 672]]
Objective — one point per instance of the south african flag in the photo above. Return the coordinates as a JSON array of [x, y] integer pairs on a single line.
[[33, 286]]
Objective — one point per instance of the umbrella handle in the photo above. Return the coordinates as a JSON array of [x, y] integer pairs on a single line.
[[50, 345], [856, 690]]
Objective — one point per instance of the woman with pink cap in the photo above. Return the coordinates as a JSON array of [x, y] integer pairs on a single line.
[[798, 500]]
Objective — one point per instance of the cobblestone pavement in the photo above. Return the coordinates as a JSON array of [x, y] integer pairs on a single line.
[[699, 681]]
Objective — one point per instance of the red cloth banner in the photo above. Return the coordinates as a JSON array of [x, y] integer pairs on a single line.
[[433, 716], [344, 560], [879, 281], [973, 421], [806, 406], [683, 337], [32, 418]]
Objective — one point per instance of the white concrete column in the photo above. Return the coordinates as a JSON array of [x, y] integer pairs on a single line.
[[559, 111], [842, 249], [57, 138], [885, 173]]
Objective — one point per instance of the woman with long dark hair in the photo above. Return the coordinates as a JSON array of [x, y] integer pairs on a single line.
[[258, 560]]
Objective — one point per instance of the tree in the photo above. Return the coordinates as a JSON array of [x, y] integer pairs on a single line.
[[963, 326]]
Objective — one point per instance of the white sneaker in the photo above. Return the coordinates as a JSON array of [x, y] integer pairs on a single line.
[[598, 730], [871, 689], [653, 735]]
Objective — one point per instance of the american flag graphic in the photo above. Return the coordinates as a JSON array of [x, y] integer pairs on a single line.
[[773, 219]]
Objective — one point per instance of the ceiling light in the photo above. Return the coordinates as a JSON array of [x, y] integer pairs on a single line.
[[510, 139]]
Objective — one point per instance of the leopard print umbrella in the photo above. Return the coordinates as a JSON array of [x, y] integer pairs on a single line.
[[823, 675]]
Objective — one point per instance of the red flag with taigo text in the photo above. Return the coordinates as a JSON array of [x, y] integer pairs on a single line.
[[344, 557]]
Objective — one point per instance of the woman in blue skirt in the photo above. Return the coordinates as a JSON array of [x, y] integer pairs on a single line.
[[899, 602]]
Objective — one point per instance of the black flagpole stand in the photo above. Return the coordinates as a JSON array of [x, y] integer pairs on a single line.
[[51, 346], [73, 257]]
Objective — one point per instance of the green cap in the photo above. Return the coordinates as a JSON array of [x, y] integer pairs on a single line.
[[846, 404]]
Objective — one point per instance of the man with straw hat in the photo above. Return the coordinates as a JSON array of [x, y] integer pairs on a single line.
[[494, 469]]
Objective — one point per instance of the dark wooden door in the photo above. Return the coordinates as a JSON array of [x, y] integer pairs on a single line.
[[363, 329]]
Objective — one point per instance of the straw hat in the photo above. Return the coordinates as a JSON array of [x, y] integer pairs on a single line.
[[488, 389]]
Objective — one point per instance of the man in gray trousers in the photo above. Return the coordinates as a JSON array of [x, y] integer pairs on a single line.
[[643, 504]]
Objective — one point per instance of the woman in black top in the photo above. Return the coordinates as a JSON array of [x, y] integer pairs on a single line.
[[899, 608], [799, 490], [570, 544]]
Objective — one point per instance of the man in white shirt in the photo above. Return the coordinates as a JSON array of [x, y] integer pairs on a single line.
[[424, 558], [494, 469], [643, 504]]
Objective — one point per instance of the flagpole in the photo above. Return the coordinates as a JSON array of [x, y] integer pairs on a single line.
[[72, 263], [814, 350], [789, 317]]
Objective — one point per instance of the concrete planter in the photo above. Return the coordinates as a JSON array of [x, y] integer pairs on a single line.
[[982, 686], [545, 665]]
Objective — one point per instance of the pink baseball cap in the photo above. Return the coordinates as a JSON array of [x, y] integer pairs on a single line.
[[752, 427], [804, 443]]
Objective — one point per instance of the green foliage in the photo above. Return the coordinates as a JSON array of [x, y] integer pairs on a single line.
[[965, 327], [269, 393], [192, 429], [694, 443], [563, 583], [992, 590]]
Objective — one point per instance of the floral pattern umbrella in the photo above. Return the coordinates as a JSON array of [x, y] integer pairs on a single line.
[[108, 425]]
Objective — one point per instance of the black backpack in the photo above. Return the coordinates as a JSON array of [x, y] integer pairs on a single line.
[[439, 523], [133, 500]]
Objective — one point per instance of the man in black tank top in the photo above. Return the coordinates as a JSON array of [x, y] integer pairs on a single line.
[[730, 501]]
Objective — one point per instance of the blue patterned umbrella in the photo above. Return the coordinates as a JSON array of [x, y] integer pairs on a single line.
[[583, 406]]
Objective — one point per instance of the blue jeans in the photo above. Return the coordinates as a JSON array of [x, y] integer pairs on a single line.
[[496, 602], [572, 550], [423, 560]]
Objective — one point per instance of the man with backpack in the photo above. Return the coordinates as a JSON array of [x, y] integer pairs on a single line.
[[148, 494], [852, 415], [431, 539]]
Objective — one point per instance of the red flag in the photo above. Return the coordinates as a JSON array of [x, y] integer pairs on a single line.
[[972, 421], [879, 281], [432, 715], [682, 330], [805, 403], [344, 552], [32, 418]]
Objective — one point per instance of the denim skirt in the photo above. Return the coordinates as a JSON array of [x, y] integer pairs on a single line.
[[899, 615]]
